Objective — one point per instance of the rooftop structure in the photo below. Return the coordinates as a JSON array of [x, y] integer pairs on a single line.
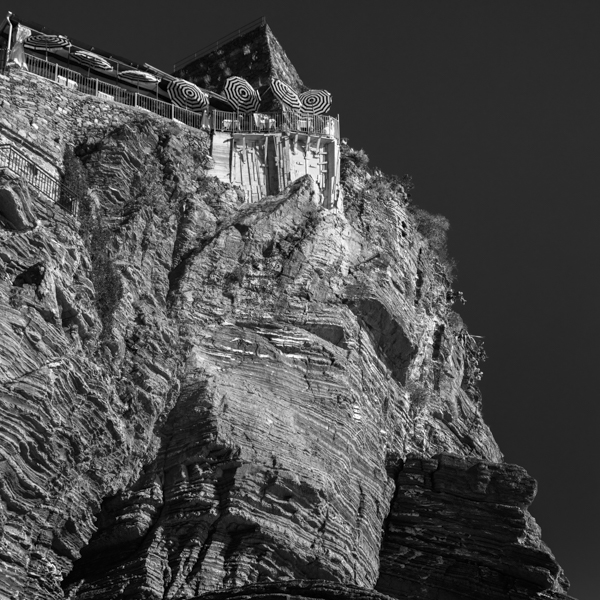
[[251, 52]]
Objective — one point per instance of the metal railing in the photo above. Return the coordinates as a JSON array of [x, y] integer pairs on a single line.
[[286, 122], [94, 87], [41, 180], [220, 42]]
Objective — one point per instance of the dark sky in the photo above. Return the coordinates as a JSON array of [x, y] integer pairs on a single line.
[[494, 109]]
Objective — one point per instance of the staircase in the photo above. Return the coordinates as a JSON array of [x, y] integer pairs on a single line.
[[17, 162]]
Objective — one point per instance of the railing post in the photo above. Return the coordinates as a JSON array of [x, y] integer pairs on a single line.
[[55, 71], [135, 102], [96, 87], [173, 111]]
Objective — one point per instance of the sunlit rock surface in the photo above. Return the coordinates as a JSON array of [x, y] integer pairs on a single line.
[[244, 414]]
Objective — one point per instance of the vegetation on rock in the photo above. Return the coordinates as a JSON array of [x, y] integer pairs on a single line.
[[97, 237]]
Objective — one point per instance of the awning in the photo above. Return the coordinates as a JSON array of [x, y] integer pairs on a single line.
[[316, 102], [241, 94]]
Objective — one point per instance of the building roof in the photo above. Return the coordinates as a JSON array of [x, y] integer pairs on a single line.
[[251, 52]]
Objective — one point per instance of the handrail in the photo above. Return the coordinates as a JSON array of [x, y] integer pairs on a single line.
[[23, 166], [284, 122], [281, 122], [76, 44], [215, 45], [94, 87]]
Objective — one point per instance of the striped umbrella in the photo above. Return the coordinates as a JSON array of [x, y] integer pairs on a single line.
[[89, 59], [187, 95], [241, 94], [46, 42], [286, 94], [138, 77], [316, 102]]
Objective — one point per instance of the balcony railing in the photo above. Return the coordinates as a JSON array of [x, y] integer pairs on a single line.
[[41, 180], [286, 122], [90, 85], [283, 122]]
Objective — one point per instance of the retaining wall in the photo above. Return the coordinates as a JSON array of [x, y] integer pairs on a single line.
[[41, 116]]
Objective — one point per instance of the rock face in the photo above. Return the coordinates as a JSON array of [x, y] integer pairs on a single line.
[[459, 528], [201, 397]]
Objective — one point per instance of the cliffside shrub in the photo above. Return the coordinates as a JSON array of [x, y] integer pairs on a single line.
[[418, 394], [75, 176], [96, 235], [146, 190], [358, 157], [389, 187], [105, 276], [435, 229]]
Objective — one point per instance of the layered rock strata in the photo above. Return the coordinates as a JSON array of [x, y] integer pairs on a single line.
[[236, 408], [459, 528]]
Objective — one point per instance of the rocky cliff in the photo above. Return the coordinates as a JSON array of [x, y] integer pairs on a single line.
[[202, 397]]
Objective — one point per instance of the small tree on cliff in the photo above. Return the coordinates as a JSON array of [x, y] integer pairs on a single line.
[[96, 236]]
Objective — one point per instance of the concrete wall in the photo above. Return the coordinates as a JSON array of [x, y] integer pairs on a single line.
[[265, 164]]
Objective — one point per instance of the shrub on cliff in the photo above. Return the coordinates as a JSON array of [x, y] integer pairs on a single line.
[[435, 229], [392, 187], [74, 179], [358, 158], [352, 162], [75, 175], [106, 278], [146, 190], [96, 236], [418, 395]]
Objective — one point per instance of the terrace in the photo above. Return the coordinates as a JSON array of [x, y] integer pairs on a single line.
[[218, 120], [107, 91], [275, 122]]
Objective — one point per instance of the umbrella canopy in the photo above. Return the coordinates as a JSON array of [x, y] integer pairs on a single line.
[[241, 94], [89, 59], [46, 42], [286, 94], [219, 102], [187, 95], [316, 102], [138, 77]]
